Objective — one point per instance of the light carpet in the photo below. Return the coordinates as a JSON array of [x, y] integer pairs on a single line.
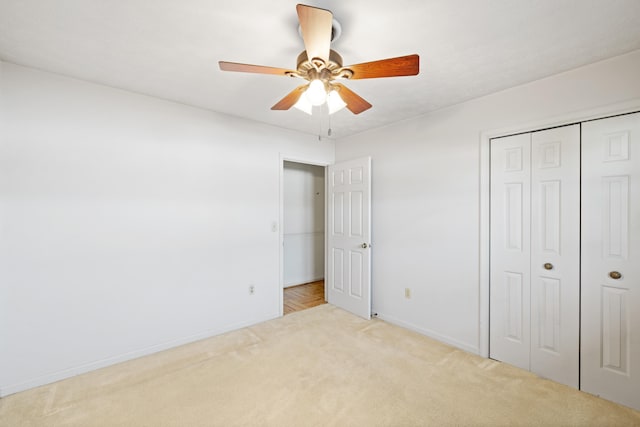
[[319, 367]]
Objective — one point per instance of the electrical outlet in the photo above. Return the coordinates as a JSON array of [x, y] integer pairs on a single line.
[[407, 293], [252, 289]]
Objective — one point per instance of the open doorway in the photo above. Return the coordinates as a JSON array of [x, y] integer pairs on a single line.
[[303, 233]]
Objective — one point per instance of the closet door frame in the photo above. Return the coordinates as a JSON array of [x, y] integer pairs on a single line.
[[485, 159]]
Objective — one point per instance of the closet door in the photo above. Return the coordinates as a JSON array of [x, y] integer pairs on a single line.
[[555, 254], [535, 249], [610, 333], [509, 323]]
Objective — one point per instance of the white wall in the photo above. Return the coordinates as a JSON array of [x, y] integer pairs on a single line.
[[129, 224], [303, 223], [426, 193]]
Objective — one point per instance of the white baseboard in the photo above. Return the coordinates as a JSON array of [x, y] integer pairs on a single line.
[[431, 334], [302, 281], [6, 390]]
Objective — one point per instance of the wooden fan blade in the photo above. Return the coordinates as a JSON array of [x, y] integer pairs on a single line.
[[355, 103], [291, 98], [316, 27], [248, 68], [393, 67]]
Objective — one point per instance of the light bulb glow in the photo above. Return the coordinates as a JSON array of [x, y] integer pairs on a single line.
[[316, 93], [335, 102], [303, 104]]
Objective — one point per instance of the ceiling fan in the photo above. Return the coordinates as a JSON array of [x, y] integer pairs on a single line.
[[322, 67]]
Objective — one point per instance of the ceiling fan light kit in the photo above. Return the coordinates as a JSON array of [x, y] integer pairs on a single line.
[[333, 100], [321, 67]]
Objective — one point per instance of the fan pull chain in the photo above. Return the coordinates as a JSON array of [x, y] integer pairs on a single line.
[[320, 124]]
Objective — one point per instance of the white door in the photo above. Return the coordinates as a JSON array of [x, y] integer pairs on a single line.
[[510, 250], [349, 237], [555, 254], [535, 250], [610, 335]]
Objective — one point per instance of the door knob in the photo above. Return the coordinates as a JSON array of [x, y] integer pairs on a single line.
[[364, 246], [615, 275], [548, 266]]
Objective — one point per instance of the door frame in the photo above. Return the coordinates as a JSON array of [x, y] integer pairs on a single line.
[[314, 162], [484, 187]]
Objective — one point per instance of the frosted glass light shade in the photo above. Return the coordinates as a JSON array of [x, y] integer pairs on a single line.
[[335, 102], [303, 104], [316, 93]]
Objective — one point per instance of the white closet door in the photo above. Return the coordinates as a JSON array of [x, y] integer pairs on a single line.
[[555, 254], [535, 252], [510, 250], [610, 334]]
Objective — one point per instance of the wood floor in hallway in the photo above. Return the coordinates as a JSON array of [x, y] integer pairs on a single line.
[[304, 296]]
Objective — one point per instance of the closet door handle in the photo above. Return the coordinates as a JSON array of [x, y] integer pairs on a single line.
[[615, 275], [548, 266]]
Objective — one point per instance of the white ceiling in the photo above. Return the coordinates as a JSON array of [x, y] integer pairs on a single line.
[[169, 48]]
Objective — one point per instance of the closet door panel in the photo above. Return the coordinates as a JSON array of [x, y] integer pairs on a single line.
[[610, 328], [555, 253], [510, 250]]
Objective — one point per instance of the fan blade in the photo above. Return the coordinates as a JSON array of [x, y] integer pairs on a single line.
[[316, 25], [291, 98], [355, 103], [392, 67], [248, 68]]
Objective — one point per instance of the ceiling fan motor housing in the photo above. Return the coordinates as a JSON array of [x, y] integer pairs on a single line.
[[319, 69]]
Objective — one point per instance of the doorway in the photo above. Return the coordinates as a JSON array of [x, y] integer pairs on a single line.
[[303, 235]]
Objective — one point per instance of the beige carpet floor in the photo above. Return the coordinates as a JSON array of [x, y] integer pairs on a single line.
[[319, 367]]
